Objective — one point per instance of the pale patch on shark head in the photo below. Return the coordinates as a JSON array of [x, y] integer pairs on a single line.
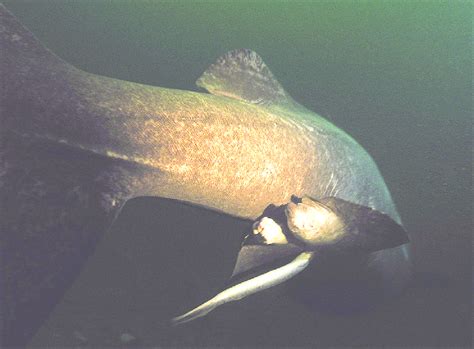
[[311, 221]]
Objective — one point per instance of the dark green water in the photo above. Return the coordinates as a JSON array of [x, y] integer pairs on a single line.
[[395, 75]]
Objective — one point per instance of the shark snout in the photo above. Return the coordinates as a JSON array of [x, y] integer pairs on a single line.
[[285, 239]]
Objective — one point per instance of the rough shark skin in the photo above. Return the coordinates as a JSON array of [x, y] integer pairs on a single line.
[[74, 147]]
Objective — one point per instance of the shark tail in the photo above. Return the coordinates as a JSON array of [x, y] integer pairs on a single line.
[[56, 201]]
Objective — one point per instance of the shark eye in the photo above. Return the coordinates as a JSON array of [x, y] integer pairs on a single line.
[[269, 230]]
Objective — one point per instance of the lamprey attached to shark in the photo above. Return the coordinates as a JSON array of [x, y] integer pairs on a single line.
[[74, 147]]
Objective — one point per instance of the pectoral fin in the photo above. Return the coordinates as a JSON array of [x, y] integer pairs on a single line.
[[254, 258], [258, 267], [248, 287]]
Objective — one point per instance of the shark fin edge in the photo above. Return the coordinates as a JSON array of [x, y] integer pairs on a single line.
[[21, 50], [242, 74]]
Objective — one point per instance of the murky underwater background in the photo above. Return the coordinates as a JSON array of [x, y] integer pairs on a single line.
[[394, 75]]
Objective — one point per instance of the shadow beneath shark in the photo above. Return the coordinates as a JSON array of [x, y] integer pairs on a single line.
[[160, 256], [156, 261]]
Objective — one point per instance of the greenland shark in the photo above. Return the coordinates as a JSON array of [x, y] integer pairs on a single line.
[[75, 146]]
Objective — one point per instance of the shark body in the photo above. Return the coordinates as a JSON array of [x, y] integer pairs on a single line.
[[74, 147]]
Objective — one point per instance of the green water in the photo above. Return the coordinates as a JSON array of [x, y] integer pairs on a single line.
[[396, 75]]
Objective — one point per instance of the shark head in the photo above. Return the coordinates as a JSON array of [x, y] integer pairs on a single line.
[[285, 239]]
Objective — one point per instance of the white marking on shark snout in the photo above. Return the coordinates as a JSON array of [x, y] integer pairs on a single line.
[[270, 231]]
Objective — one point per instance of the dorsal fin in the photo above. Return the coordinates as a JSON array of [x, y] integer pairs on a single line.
[[242, 74]]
